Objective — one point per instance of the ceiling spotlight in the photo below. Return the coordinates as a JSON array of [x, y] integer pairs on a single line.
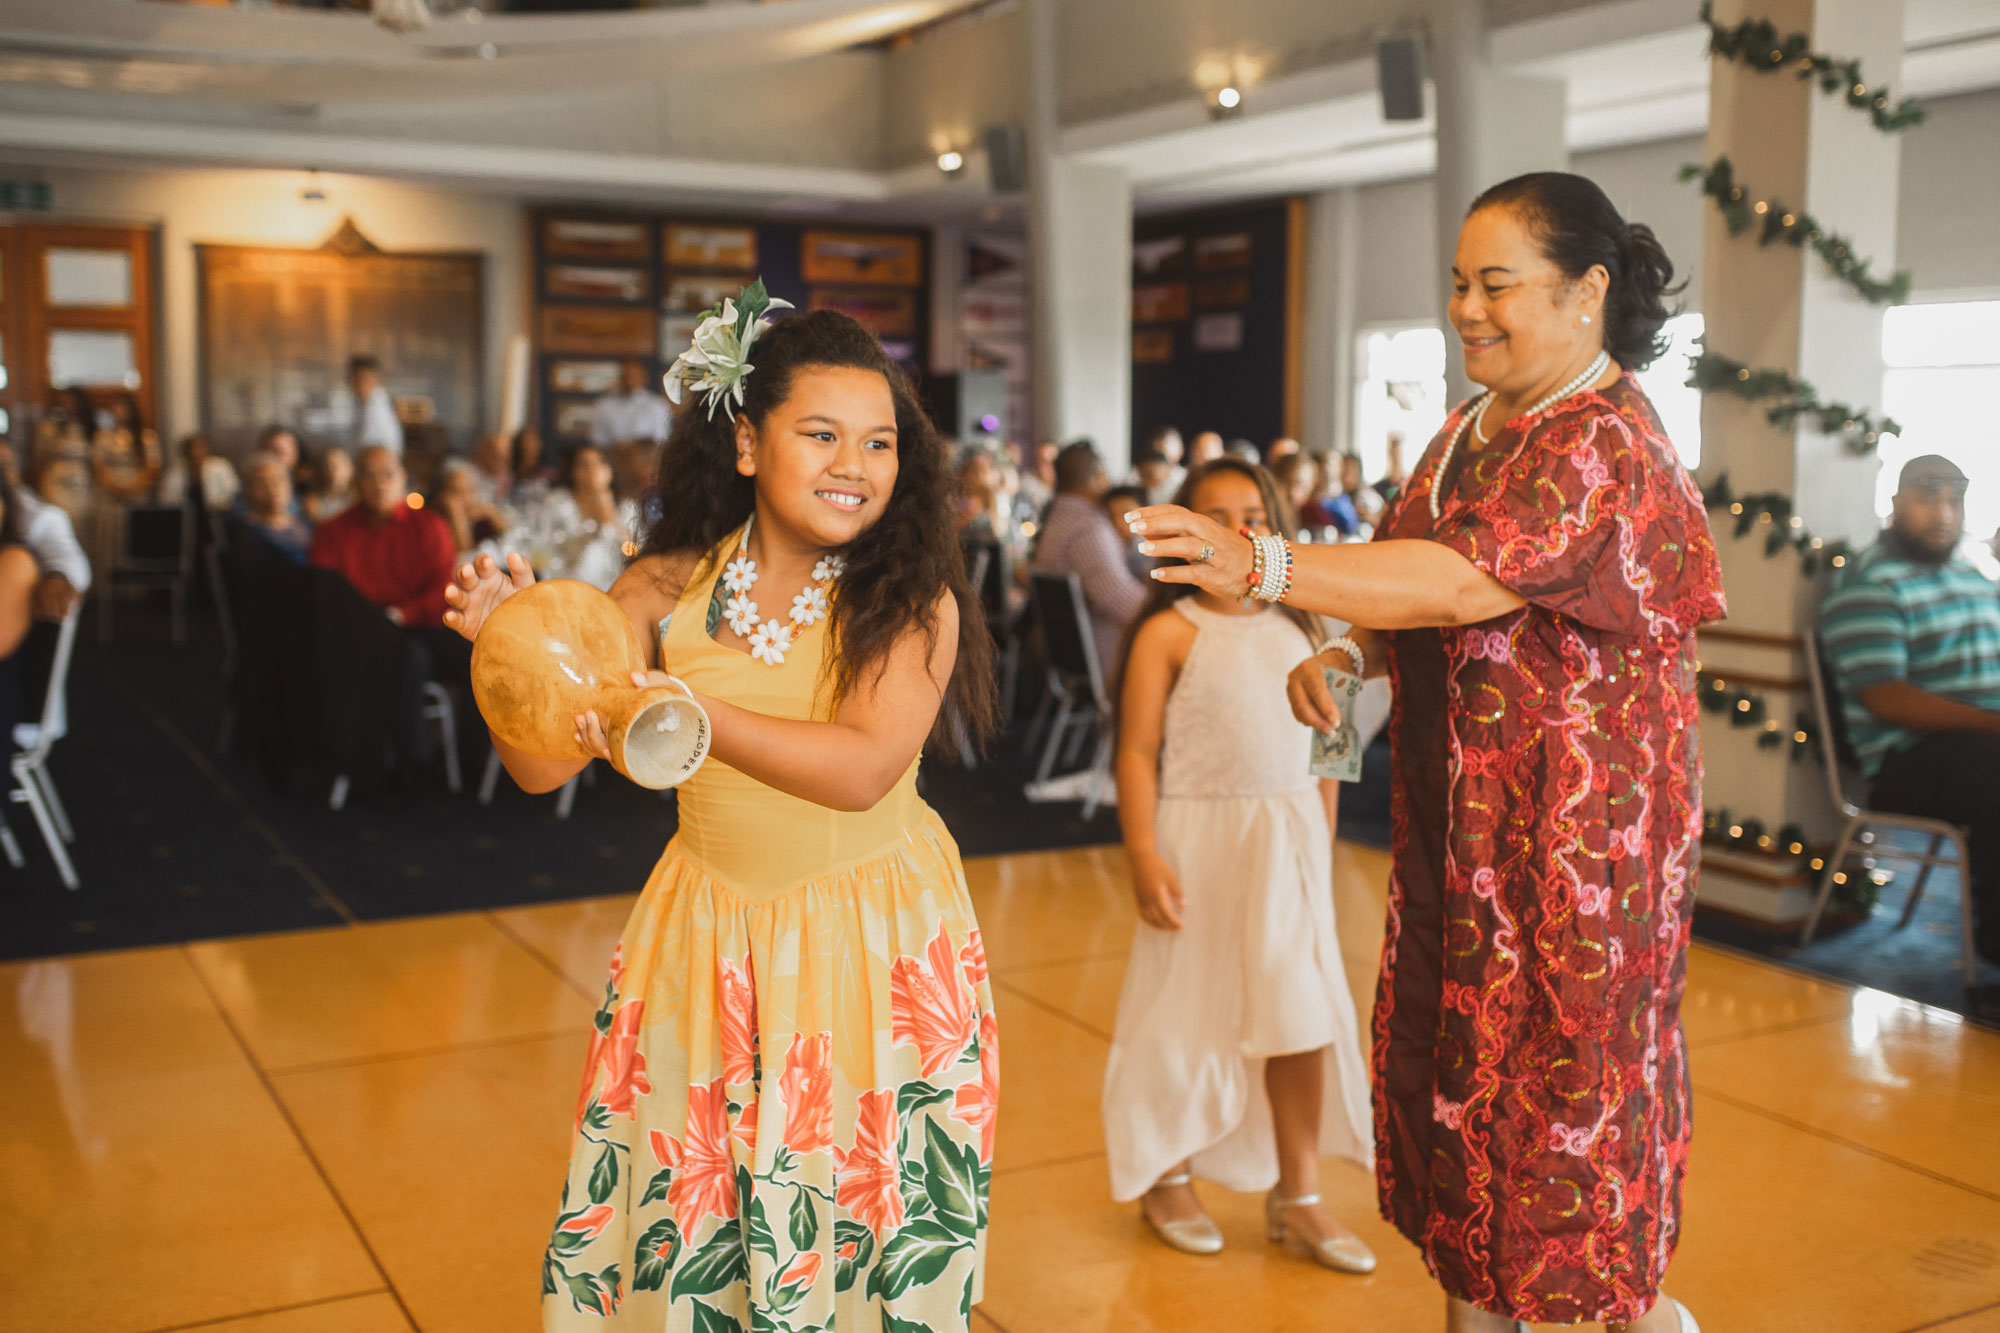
[[951, 162], [1225, 101], [488, 51], [1229, 99]]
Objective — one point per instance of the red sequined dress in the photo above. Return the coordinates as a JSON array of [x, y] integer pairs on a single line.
[[1531, 1083]]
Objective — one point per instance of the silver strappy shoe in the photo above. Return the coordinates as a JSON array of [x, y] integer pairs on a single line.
[[1191, 1235], [1345, 1254]]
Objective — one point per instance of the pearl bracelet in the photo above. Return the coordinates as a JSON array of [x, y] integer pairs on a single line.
[[1270, 568], [1353, 651]]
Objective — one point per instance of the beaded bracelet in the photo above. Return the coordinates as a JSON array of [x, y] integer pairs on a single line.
[[1353, 651], [1270, 568]]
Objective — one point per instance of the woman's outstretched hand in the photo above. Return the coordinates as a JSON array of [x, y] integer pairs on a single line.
[[1173, 533], [481, 585]]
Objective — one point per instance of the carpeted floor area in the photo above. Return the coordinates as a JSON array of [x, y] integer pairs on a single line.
[[1920, 961], [178, 842]]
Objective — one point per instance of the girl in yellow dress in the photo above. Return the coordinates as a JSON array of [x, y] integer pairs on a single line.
[[786, 1119]]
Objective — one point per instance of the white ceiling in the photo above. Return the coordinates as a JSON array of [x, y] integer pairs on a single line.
[[120, 80]]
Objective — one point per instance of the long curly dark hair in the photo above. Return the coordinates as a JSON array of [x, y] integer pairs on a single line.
[[895, 569]]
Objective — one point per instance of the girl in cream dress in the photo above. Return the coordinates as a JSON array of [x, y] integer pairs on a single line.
[[1237, 1055]]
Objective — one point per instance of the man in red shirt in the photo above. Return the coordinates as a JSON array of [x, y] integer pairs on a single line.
[[397, 557]]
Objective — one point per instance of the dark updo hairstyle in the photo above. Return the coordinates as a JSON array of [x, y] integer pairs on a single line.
[[1579, 228], [895, 569]]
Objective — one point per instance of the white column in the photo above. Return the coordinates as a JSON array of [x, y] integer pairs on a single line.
[[1080, 272], [1491, 127], [1781, 308], [1326, 398]]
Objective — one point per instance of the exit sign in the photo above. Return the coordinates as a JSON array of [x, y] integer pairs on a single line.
[[24, 196]]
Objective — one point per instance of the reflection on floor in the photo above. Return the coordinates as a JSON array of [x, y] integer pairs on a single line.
[[362, 1128]]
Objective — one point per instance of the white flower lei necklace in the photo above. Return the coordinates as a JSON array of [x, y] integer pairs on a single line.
[[770, 638]]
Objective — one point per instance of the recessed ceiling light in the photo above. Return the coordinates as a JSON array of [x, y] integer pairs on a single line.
[[488, 51], [951, 161], [1229, 99]]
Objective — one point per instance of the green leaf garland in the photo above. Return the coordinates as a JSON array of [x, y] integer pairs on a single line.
[[1757, 44], [1787, 399], [1776, 223], [1788, 530]]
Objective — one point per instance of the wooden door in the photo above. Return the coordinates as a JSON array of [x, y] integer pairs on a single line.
[[76, 312]]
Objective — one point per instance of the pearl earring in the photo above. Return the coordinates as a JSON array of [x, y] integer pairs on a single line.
[[1586, 320]]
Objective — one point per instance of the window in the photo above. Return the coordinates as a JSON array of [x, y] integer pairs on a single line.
[[1942, 382], [1401, 393], [1666, 383]]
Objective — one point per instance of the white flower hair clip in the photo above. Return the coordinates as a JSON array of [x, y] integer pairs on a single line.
[[716, 363]]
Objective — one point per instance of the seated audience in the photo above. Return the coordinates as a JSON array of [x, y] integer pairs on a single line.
[[473, 520], [19, 576], [1331, 509], [592, 532], [268, 509], [1299, 481], [533, 471], [398, 557], [1038, 480], [332, 485], [1367, 501], [1913, 636], [1078, 539], [1160, 461], [1154, 476], [635, 465], [200, 477], [1204, 448], [981, 512], [492, 469], [1116, 503], [1282, 447], [50, 537], [281, 442], [1244, 452]]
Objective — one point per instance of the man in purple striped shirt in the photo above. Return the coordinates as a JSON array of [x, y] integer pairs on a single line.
[[1078, 539]]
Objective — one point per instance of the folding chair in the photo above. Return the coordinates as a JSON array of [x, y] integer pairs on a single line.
[[1075, 681], [1862, 823], [565, 797], [154, 548], [33, 787]]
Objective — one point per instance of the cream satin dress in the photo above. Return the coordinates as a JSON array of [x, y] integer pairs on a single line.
[[1255, 971]]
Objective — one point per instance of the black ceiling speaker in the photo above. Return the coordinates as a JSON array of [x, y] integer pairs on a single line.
[[1006, 158], [1399, 71]]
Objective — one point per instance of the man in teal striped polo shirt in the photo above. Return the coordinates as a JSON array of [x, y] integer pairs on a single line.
[[1913, 635]]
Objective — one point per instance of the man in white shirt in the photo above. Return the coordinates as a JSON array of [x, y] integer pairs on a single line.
[[51, 537], [635, 412], [375, 417]]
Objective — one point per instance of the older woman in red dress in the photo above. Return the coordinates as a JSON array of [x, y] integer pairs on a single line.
[[1534, 593]]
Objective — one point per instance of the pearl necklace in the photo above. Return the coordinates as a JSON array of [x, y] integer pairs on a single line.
[[770, 638], [1477, 411]]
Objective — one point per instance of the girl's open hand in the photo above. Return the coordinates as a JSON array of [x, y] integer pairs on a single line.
[[1312, 702], [480, 586], [1158, 891], [1172, 533]]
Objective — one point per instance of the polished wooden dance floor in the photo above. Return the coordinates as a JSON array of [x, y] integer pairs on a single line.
[[361, 1129]]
